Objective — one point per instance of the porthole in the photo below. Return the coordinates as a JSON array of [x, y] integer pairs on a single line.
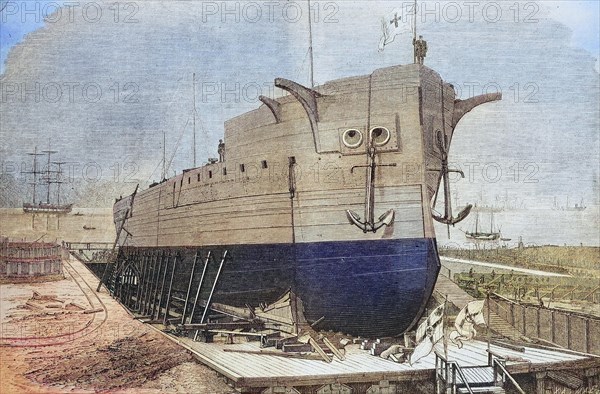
[[380, 136], [352, 138]]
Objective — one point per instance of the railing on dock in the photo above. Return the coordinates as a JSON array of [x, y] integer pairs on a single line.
[[451, 377], [499, 365], [567, 329], [446, 375]]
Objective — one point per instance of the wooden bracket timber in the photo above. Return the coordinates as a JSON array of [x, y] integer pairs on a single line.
[[308, 98], [273, 105]]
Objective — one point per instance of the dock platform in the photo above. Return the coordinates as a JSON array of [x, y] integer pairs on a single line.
[[361, 372]]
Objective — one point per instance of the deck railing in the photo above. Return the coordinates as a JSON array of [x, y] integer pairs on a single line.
[[500, 370], [446, 373]]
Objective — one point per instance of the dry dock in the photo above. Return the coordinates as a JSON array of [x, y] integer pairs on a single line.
[[363, 373], [49, 350], [535, 368]]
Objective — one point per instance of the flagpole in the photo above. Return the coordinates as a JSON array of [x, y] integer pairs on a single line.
[[415, 33], [194, 141], [164, 166], [310, 48]]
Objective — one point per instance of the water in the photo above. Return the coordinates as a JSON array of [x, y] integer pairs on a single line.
[[535, 226]]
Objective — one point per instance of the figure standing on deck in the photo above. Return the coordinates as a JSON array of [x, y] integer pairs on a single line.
[[221, 151], [420, 49]]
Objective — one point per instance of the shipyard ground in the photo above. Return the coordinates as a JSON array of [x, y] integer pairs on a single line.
[[71, 339]]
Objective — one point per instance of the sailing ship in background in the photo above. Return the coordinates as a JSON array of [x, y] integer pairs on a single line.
[[506, 202], [480, 235], [577, 207], [52, 175]]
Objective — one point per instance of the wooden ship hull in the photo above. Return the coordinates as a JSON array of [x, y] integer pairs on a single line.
[[326, 192], [483, 236]]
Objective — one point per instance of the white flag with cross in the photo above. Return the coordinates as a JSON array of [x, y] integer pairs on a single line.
[[428, 334], [393, 24]]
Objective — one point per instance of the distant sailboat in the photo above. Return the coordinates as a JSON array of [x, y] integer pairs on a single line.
[[576, 207], [479, 235]]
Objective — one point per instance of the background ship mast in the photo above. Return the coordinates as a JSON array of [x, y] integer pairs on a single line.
[[194, 114], [48, 179], [34, 171], [58, 180]]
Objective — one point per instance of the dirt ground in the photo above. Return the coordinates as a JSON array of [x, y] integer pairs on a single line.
[[58, 340]]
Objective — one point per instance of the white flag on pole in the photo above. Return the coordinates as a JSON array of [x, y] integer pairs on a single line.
[[469, 317], [428, 334], [393, 24]]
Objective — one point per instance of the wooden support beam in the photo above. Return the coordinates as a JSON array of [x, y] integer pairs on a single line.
[[319, 350], [189, 289], [214, 286], [296, 348], [138, 289], [269, 334], [155, 291], [162, 287], [151, 269], [333, 349], [206, 261], [144, 279], [216, 326], [143, 297], [170, 290], [587, 336]]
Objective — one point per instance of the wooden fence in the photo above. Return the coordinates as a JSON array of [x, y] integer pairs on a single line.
[[567, 329]]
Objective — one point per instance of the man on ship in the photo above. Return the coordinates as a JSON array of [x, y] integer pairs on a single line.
[[420, 49], [221, 151]]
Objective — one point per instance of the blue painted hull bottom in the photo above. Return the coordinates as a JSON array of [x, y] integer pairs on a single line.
[[367, 288]]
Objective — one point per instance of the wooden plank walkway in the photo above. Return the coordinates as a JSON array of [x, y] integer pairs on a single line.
[[477, 375], [255, 370], [456, 296]]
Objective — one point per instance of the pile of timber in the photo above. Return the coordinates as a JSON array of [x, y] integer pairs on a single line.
[[307, 346], [388, 349]]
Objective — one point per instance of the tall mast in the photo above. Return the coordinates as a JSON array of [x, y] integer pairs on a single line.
[[415, 33], [310, 48], [35, 171], [194, 141], [48, 171], [58, 179], [164, 160]]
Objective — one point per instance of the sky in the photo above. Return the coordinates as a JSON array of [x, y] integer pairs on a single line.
[[579, 16], [111, 82]]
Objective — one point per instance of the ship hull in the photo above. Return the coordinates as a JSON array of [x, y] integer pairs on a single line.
[[47, 208], [483, 237], [326, 192], [349, 284]]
